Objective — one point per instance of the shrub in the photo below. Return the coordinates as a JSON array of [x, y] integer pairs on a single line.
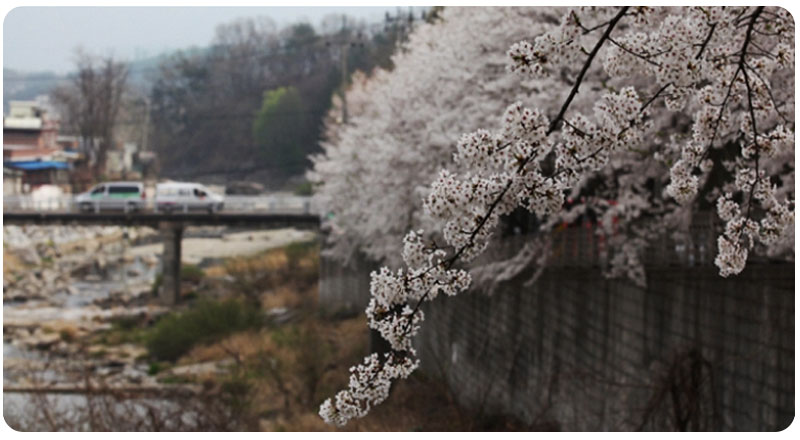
[[176, 333], [295, 265], [191, 273], [154, 368], [125, 322], [68, 334], [304, 189], [124, 330], [299, 250], [302, 357], [157, 281]]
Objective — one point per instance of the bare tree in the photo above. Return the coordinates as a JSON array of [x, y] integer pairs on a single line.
[[90, 104]]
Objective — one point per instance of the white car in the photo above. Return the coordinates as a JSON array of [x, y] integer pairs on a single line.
[[184, 197], [126, 196]]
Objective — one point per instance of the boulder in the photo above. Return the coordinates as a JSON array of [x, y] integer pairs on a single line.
[[41, 340], [49, 276], [28, 255], [132, 375]]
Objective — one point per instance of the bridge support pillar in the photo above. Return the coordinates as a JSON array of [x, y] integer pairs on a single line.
[[170, 291]]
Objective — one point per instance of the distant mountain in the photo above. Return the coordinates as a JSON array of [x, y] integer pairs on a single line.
[[19, 85], [24, 85], [142, 71]]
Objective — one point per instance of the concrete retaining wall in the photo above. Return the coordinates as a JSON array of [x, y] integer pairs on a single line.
[[577, 351]]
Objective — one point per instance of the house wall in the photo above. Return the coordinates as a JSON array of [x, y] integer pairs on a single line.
[[22, 137], [12, 185]]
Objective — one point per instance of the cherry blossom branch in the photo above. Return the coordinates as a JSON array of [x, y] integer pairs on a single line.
[[585, 69], [740, 68], [552, 128], [750, 103], [586, 30], [559, 117], [656, 95], [360, 396], [705, 42], [767, 87], [643, 57]]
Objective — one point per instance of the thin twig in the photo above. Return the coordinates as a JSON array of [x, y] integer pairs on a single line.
[[705, 42]]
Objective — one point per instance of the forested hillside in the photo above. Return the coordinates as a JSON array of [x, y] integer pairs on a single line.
[[252, 105]]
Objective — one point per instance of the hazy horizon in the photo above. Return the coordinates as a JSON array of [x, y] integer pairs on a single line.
[[135, 33]]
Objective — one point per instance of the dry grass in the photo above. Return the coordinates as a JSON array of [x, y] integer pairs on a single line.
[[301, 297], [288, 370], [415, 404], [243, 345], [68, 333], [274, 361], [12, 264], [272, 260], [274, 277]]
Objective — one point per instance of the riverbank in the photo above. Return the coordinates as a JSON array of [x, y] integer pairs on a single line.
[[64, 288], [247, 348]]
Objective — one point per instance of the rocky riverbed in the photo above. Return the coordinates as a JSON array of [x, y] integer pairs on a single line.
[[63, 285]]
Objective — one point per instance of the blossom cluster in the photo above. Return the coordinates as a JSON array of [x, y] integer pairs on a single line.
[[369, 385], [548, 51], [741, 231], [390, 312], [722, 63], [619, 121]]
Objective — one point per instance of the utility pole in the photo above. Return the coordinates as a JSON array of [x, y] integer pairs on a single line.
[[343, 54], [345, 41], [146, 132]]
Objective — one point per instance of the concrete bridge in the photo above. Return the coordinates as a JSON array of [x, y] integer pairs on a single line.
[[171, 227]]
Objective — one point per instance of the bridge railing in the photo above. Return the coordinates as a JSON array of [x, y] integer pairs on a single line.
[[261, 203], [27, 202], [270, 203]]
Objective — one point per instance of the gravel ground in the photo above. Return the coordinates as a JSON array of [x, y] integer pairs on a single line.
[[194, 250]]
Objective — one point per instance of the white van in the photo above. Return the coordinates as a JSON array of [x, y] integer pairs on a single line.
[[126, 196], [184, 197]]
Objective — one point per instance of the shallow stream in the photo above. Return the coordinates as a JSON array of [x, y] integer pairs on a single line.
[[40, 366]]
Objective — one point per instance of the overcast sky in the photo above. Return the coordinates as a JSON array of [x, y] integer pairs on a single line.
[[45, 38]]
